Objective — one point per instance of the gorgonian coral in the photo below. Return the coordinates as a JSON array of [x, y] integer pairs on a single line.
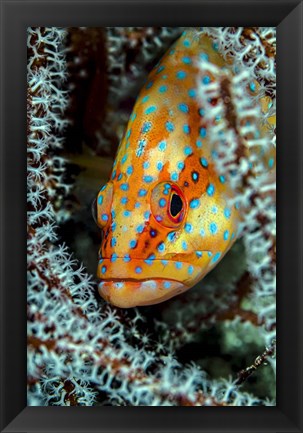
[[82, 351]]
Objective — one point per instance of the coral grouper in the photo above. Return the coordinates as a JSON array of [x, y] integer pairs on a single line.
[[164, 213]]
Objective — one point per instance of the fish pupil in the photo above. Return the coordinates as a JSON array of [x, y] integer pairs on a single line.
[[175, 205]]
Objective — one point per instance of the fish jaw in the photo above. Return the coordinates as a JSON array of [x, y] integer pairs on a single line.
[[157, 282], [128, 294]]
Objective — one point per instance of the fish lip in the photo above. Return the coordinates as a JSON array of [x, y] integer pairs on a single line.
[[115, 275], [137, 280], [154, 260]]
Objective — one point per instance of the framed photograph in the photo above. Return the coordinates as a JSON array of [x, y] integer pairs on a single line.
[[145, 275]]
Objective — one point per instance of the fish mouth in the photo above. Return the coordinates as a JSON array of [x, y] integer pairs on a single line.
[[141, 283]]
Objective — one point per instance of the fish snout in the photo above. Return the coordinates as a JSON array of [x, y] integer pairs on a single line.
[[129, 282]]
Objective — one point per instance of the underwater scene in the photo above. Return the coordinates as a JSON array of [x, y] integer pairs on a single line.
[[151, 223]]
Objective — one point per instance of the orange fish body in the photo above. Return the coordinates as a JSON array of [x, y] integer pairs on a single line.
[[164, 213]]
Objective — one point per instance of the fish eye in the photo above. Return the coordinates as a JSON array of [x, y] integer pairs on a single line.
[[168, 204], [176, 204]]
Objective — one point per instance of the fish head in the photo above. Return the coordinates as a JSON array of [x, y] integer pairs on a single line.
[[161, 236]]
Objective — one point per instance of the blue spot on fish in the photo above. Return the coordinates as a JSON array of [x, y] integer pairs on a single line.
[[171, 236], [186, 60], [146, 127], [162, 89], [159, 165], [192, 93], [204, 162], [206, 79], [203, 132], [195, 176], [188, 228], [227, 213], [216, 257], [181, 75], [162, 146], [188, 150], [162, 202], [213, 228], [142, 192], [184, 108], [140, 228], [141, 147], [161, 247], [174, 176], [148, 179], [210, 190], [169, 126], [124, 186], [129, 170], [133, 243], [194, 203], [113, 257], [150, 109], [186, 129], [204, 56], [190, 269], [150, 259]]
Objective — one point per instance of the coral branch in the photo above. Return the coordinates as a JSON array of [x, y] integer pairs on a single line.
[[261, 359]]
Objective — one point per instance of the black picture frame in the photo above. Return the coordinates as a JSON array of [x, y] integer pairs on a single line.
[[16, 16]]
